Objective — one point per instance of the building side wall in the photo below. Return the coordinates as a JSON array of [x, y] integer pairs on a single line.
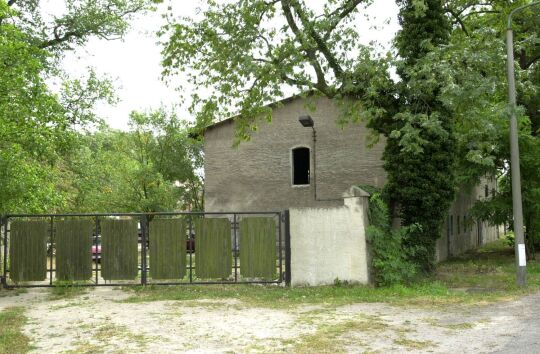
[[461, 232], [257, 174]]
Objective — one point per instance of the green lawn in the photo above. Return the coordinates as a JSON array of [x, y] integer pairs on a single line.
[[485, 275]]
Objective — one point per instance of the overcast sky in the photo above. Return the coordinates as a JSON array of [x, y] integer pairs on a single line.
[[134, 63]]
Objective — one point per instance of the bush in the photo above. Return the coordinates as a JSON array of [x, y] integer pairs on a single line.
[[391, 262], [510, 239]]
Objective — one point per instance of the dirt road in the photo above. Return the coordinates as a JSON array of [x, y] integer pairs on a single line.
[[99, 321]]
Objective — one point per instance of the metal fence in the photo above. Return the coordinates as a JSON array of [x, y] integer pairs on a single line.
[[281, 273]]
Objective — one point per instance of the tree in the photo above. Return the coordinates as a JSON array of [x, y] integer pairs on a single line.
[[36, 124], [476, 90], [152, 167]]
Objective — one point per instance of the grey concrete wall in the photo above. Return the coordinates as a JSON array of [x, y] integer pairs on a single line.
[[257, 174], [330, 243]]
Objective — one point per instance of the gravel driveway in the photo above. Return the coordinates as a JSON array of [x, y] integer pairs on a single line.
[[99, 321]]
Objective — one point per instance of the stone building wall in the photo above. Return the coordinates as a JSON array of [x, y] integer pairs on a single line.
[[257, 175]]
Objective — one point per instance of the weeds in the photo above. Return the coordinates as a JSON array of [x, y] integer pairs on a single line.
[[67, 290]]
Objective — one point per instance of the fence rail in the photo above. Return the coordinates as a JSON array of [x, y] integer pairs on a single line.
[[177, 249]]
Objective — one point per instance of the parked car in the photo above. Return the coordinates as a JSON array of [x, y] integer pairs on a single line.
[[96, 249]]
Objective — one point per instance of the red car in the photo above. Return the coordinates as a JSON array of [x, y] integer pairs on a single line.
[[96, 249]]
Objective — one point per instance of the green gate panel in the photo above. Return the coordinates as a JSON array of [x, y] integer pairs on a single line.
[[213, 248], [167, 249], [73, 249], [119, 251], [258, 247], [28, 250]]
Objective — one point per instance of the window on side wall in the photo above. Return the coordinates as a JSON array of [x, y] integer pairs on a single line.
[[300, 166]]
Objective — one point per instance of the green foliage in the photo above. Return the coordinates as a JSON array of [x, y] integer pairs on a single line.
[[247, 52], [167, 248], [67, 289], [37, 125], [420, 154], [213, 248], [475, 89], [153, 167], [119, 252], [510, 239], [258, 247], [391, 261], [28, 250], [424, 26], [73, 240]]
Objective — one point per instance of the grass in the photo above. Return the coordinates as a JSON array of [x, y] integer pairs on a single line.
[[329, 338], [103, 340], [12, 340], [481, 276], [413, 344], [491, 268], [66, 290], [12, 292]]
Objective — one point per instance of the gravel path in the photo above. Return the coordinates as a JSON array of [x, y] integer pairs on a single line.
[[99, 322]]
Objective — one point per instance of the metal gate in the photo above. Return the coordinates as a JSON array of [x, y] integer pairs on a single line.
[[165, 248]]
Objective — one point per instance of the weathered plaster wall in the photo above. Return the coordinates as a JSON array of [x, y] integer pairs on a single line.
[[257, 174], [329, 244]]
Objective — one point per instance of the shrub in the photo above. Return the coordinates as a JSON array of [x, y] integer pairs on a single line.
[[391, 262]]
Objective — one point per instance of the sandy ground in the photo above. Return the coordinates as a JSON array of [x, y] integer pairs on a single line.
[[99, 322]]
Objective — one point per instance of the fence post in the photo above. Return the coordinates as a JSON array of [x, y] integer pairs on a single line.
[[144, 224], [287, 248]]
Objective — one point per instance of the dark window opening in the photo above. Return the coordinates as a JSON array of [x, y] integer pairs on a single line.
[[486, 191], [300, 165]]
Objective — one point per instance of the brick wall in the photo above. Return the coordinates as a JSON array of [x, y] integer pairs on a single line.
[[257, 174]]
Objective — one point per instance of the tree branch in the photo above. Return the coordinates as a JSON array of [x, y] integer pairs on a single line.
[[310, 52], [341, 13], [321, 44], [531, 62], [458, 20], [68, 35]]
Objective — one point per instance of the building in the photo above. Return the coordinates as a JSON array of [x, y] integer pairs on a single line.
[[287, 164]]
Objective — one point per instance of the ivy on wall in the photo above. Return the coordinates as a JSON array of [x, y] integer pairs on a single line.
[[392, 261]]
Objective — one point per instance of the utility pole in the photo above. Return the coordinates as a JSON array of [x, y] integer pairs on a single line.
[[521, 261]]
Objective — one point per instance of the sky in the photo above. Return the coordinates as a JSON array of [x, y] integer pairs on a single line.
[[134, 63]]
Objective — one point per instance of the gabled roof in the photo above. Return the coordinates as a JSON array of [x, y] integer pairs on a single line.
[[270, 105]]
